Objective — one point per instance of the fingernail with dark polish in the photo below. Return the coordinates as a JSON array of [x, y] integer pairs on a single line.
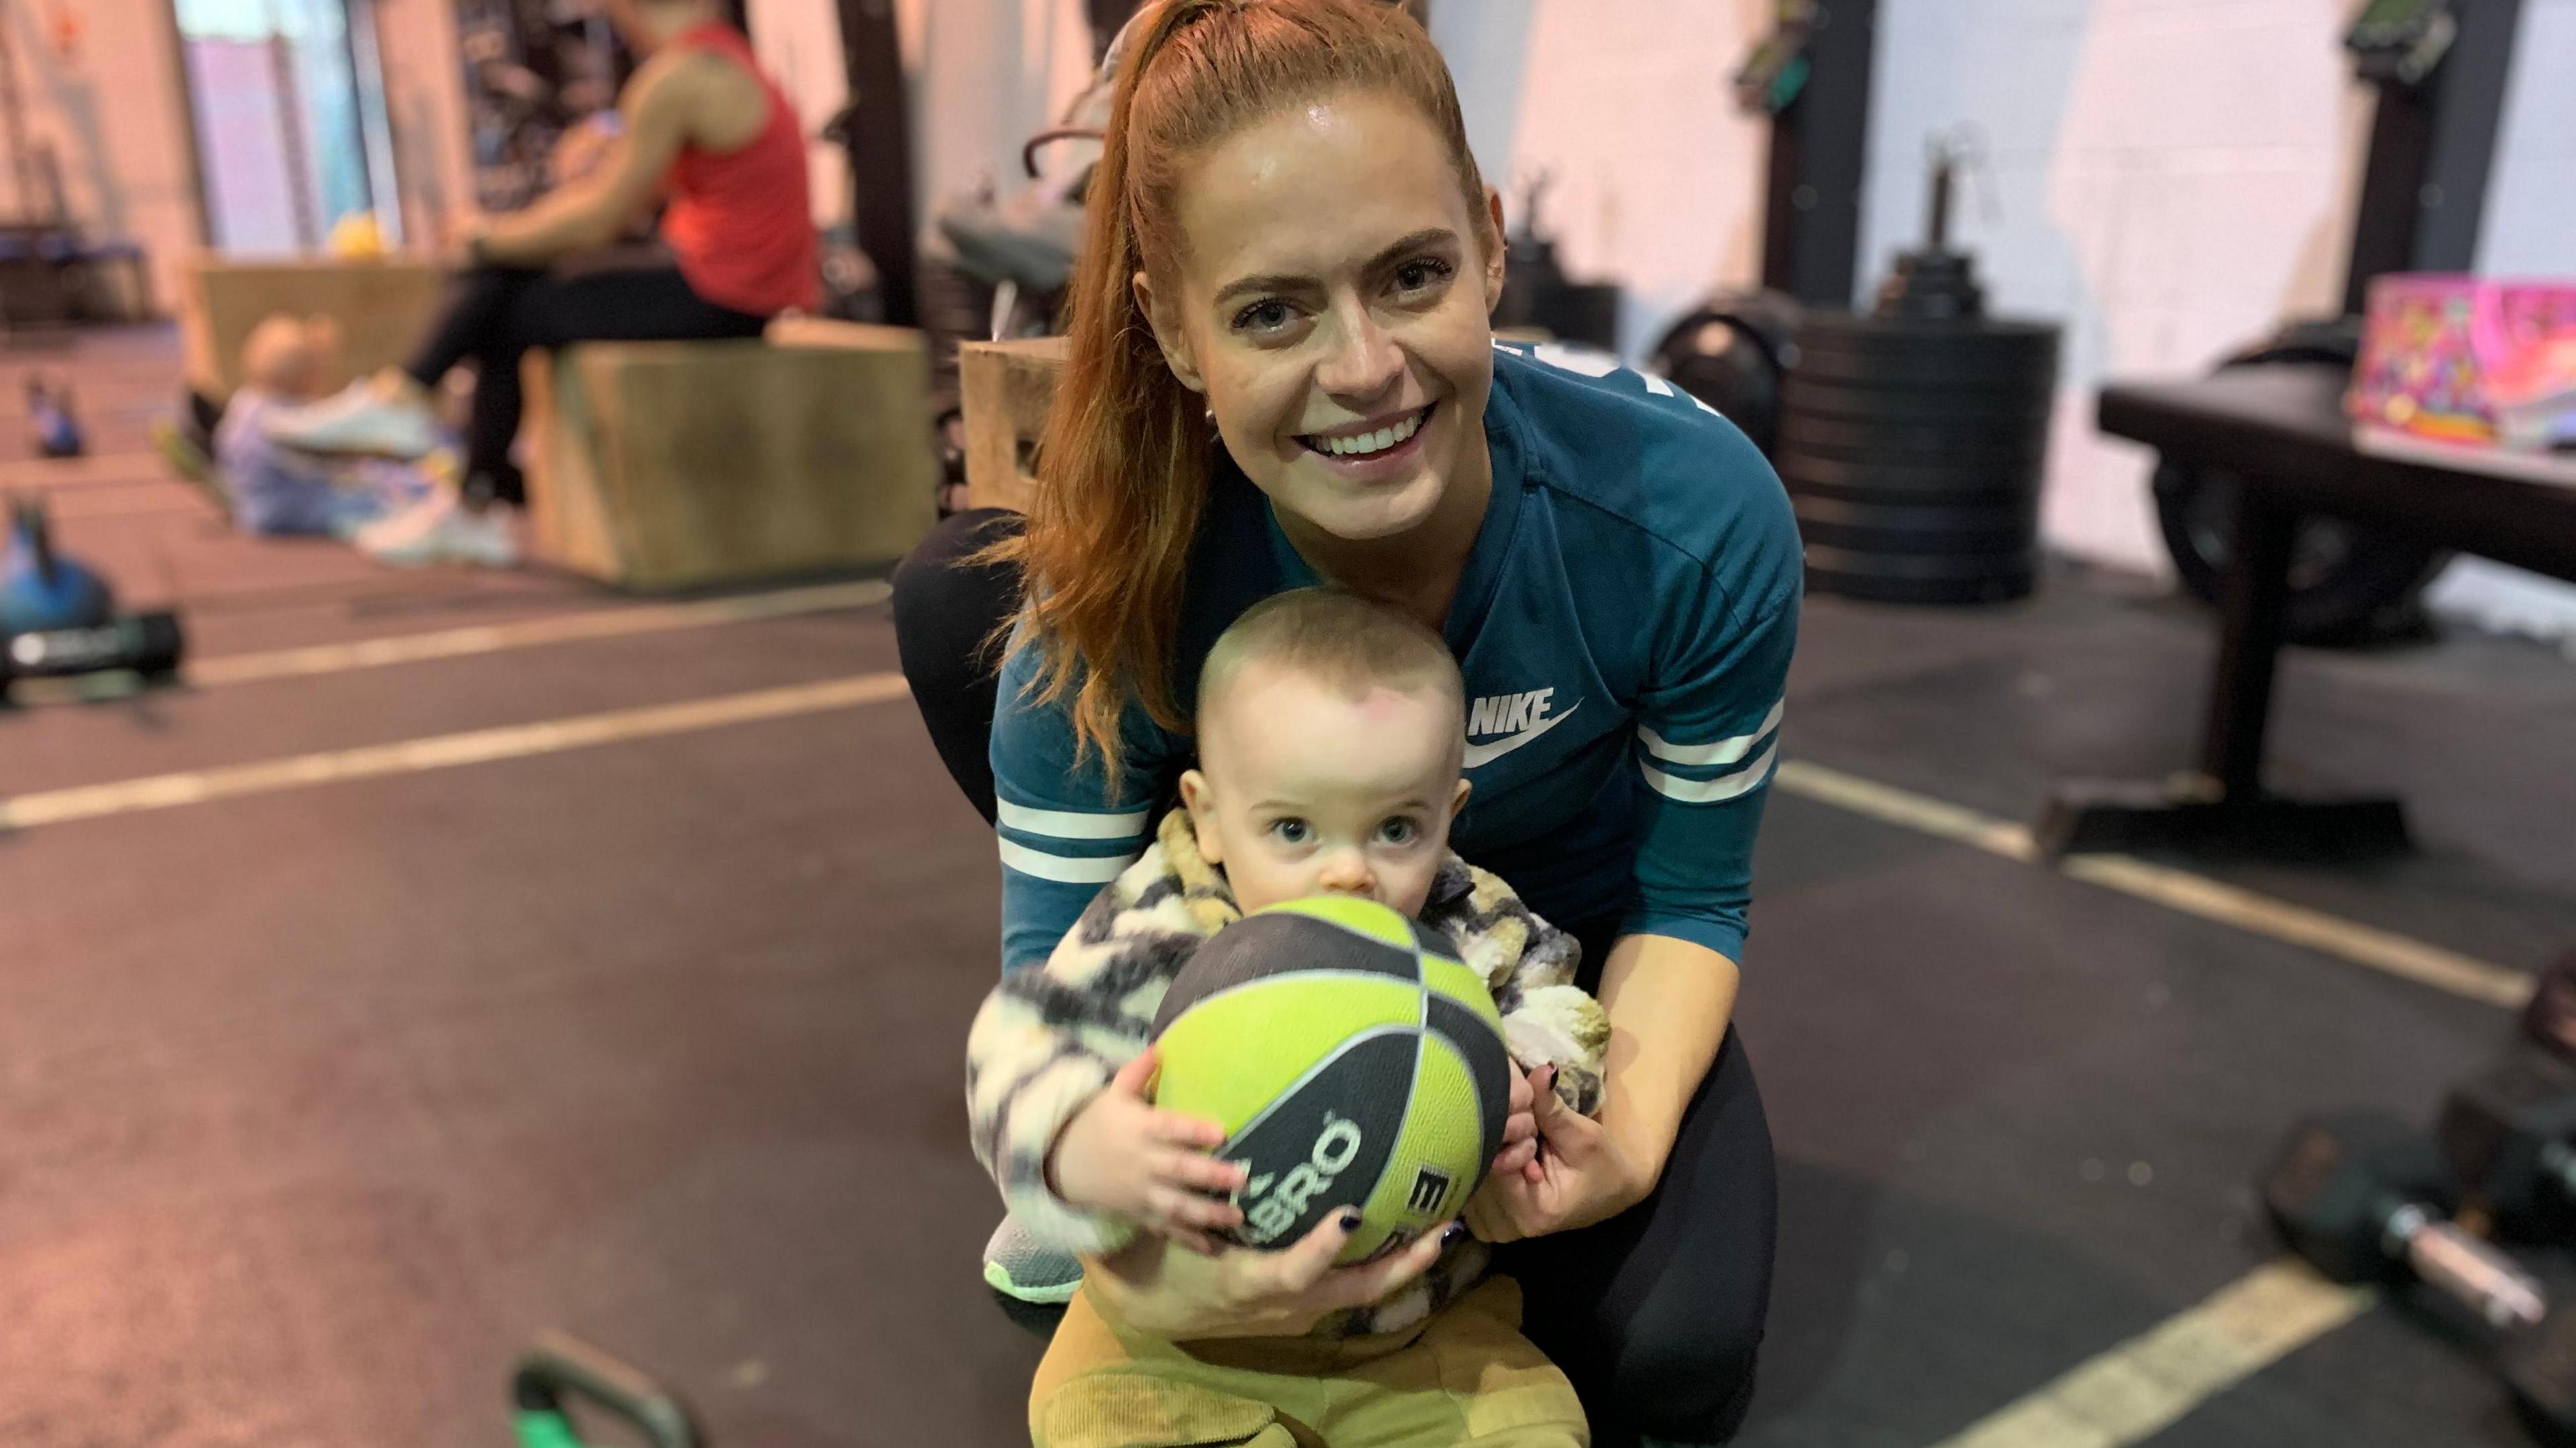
[[1455, 1231], [1350, 1221]]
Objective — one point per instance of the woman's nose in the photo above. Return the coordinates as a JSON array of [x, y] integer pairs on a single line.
[[1365, 360]]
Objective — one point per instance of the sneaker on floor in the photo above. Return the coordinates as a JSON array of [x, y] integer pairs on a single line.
[[369, 416], [442, 530], [1020, 1267]]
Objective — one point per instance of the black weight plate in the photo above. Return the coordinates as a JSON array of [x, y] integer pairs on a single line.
[[1896, 528], [2016, 376], [1901, 441], [1863, 352], [1912, 404], [1914, 578], [1909, 480], [1853, 330]]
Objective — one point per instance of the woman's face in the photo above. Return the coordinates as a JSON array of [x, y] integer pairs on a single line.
[[1332, 304]]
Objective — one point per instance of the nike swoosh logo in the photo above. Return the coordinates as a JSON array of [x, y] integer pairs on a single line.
[[1480, 755]]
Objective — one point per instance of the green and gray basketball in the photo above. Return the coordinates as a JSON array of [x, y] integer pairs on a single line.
[[1352, 1060]]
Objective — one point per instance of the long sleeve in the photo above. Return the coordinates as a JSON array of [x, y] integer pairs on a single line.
[[1063, 831], [1708, 741]]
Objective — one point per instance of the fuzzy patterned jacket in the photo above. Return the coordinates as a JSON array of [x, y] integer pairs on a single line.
[[1048, 1039]]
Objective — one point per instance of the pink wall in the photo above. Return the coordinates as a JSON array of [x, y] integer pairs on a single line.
[[114, 112]]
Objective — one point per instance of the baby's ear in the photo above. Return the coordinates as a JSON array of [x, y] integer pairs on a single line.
[[1200, 801], [1456, 806]]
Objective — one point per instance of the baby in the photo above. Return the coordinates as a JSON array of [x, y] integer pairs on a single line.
[[1331, 735], [274, 489]]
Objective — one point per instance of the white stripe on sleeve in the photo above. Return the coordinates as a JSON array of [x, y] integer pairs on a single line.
[[1657, 385], [1711, 791], [1069, 825], [1724, 751], [1068, 869]]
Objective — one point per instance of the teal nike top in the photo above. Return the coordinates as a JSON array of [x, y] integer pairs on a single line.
[[1624, 623]]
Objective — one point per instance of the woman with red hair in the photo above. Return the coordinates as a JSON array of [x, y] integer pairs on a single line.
[[1282, 373]]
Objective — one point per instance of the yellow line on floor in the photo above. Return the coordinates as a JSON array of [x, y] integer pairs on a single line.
[[2381, 950], [1903, 807], [493, 638], [2143, 1386], [444, 751], [2175, 889]]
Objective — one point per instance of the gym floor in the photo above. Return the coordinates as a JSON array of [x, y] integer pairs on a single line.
[[329, 1085]]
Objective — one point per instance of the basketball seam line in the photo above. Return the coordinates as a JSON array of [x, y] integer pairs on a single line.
[[1410, 943], [1287, 1092], [1286, 975]]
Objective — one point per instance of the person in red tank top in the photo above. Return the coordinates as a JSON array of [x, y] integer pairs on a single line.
[[698, 127]]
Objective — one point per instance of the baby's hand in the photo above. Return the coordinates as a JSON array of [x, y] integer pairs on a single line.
[[1121, 1156]]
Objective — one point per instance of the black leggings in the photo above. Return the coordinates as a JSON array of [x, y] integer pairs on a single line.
[[1655, 1314], [494, 314]]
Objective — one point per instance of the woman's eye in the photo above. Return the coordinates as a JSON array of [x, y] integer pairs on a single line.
[[1398, 831], [1292, 832], [1267, 316], [1421, 274]]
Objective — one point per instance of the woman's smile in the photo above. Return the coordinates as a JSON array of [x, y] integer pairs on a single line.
[[1373, 451]]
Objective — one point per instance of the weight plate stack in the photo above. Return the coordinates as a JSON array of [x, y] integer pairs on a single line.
[[1913, 452]]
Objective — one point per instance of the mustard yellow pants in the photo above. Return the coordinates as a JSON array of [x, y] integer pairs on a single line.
[[1467, 1376]]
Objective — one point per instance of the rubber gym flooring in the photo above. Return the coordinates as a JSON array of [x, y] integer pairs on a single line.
[[323, 1089]]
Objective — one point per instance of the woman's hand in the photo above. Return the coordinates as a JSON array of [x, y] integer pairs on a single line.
[[1244, 1292], [1121, 1156], [1519, 1156], [1581, 1176]]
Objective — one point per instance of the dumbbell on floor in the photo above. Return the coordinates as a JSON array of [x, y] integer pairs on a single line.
[[148, 644], [2510, 1137], [2364, 1199], [2549, 1020]]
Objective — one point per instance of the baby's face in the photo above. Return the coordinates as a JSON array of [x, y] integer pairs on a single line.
[[1301, 790]]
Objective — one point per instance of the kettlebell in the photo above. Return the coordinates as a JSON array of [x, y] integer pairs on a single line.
[[40, 589], [49, 412]]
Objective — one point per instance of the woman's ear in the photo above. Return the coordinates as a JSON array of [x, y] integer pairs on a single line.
[[1494, 248], [1169, 334], [1200, 801]]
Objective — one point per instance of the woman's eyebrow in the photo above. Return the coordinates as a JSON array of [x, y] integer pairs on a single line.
[[1429, 236]]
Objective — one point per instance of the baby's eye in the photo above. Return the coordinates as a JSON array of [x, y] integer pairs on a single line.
[[1398, 831], [1292, 831]]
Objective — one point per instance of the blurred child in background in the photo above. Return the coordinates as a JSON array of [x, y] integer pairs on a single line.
[[274, 489]]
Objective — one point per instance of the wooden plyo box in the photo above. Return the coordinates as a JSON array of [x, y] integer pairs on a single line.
[[1003, 389], [663, 465], [382, 306]]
